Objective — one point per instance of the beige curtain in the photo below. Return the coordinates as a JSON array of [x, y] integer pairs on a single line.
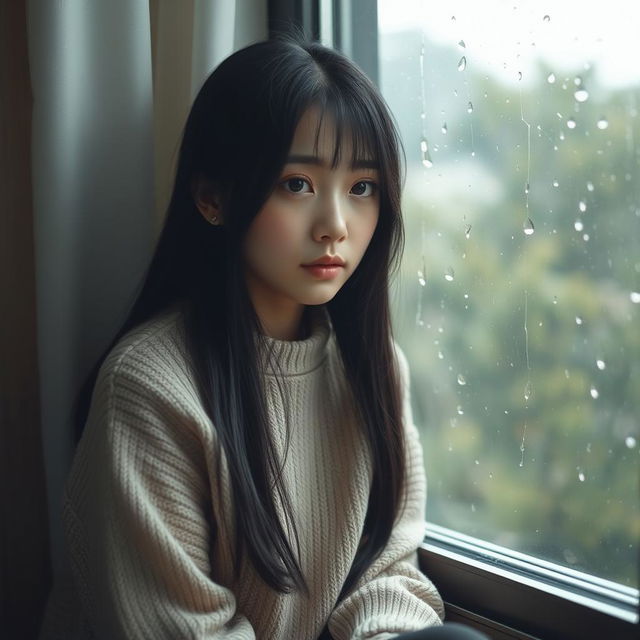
[[94, 98]]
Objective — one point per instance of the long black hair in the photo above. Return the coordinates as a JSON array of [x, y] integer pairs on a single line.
[[237, 137]]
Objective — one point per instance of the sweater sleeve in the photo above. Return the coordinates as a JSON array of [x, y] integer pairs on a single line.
[[138, 515], [394, 596]]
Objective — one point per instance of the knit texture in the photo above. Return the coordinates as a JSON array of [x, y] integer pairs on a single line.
[[149, 528]]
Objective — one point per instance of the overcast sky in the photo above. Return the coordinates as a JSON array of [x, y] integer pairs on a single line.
[[499, 34]]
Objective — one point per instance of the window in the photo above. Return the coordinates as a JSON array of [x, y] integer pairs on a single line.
[[518, 305]]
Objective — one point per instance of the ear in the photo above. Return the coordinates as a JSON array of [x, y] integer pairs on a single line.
[[206, 199]]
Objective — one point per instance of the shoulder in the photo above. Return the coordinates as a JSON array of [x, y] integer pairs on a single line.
[[151, 363], [403, 364]]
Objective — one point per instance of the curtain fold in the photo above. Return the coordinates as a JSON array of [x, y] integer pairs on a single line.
[[112, 83]]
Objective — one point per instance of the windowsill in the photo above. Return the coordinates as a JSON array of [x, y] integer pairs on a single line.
[[510, 595]]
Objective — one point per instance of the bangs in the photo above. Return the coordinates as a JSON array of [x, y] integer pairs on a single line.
[[354, 118]]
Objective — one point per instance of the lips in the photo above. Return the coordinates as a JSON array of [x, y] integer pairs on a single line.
[[326, 261]]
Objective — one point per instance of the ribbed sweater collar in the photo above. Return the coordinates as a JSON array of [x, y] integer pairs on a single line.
[[296, 357]]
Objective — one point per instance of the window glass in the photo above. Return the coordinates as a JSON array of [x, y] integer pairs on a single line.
[[518, 305]]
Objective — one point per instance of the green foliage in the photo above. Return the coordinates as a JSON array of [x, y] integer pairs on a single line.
[[527, 312]]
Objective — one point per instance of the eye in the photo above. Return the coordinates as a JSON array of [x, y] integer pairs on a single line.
[[297, 185], [364, 188]]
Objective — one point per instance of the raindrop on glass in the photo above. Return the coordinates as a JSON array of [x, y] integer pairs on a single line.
[[581, 476], [426, 157], [526, 188], [449, 274], [585, 237], [461, 380], [602, 123], [444, 127], [577, 225], [528, 390], [462, 44], [601, 364], [590, 186], [630, 442], [634, 296], [528, 227], [571, 123], [421, 278], [594, 392], [440, 355], [551, 78], [470, 108], [578, 320], [462, 65], [582, 205], [577, 81], [460, 411], [556, 183], [547, 18], [581, 95], [467, 231], [519, 75]]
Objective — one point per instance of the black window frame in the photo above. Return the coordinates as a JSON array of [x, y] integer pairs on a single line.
[[500, 592]]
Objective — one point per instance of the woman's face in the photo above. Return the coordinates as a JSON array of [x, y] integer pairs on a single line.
[[314, 211]]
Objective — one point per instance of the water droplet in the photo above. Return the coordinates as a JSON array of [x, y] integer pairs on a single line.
[[582, 205], [467, 231], [581, 95], [461, 380], [601, 364], [556, 183], [577, 225], [594, 392], [421, 278], [578, 320], [581, 476], [528, 390], [547, 19], [440, 355], [426, 157], [462, 45], [519, 75], [462, 65], [561, 136], [473, 508], [588, 447], [460, 411], [602, 123], [630, 442], [634, 296], [444, 127], [528, 227], [449, 274], [470, 108], [551, 78], [555, 299], [526, 188], [453, 18], [585, 237], [590, 186], [571, 123]]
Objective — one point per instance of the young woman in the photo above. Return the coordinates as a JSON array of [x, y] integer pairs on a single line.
[[247, 464]]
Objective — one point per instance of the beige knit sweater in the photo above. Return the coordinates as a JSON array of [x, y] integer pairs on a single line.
[[148, 531]]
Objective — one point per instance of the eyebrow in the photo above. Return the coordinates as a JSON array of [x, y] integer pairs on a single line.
[[306, 159]]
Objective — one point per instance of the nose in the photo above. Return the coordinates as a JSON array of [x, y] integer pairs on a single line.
[[330, 220]]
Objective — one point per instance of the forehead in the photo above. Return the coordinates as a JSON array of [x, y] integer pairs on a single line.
[[316, 134]]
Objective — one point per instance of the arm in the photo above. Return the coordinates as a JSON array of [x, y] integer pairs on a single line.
[[137, 517], [394, 596]]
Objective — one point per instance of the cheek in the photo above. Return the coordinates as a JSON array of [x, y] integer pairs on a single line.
[[272, 236]]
